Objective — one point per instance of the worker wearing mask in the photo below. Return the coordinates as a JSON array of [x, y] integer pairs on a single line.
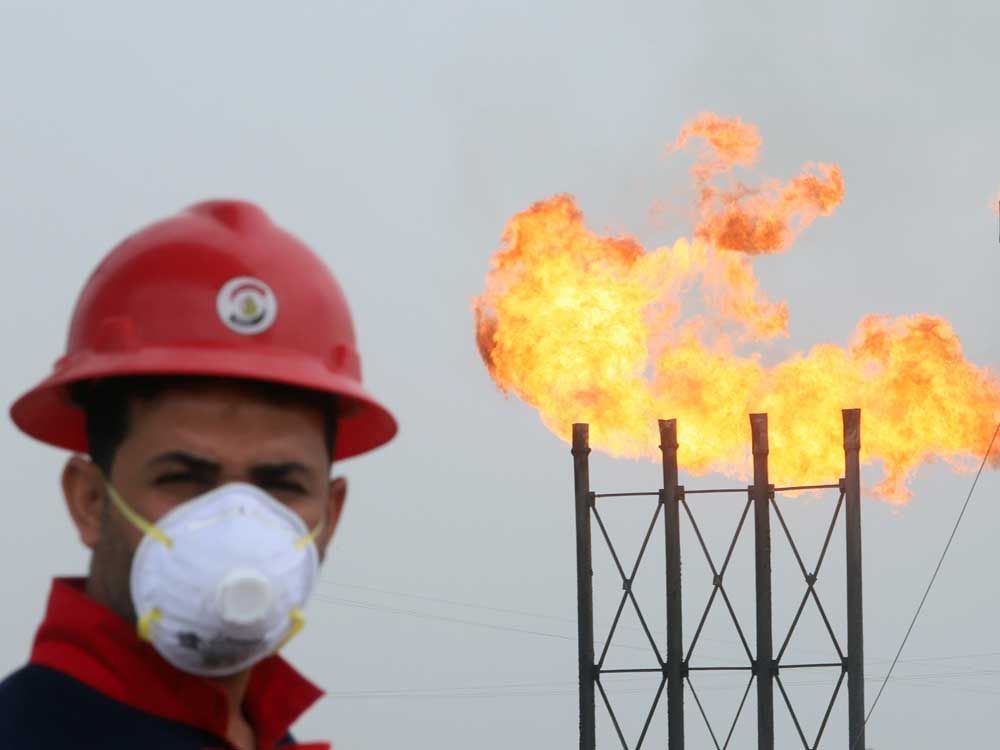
[[210, 380]]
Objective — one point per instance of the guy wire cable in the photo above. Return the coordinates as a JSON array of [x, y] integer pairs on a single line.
[[930, 583]]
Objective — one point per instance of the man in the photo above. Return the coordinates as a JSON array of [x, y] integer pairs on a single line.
[[211, 376]]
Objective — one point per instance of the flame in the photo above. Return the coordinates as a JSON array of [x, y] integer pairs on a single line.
[[727, 143], [590, 328], [767, 218]]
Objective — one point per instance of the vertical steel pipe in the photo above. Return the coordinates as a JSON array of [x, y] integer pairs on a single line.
[[584, 584], [855, 619], [764, 671], [670, 497]]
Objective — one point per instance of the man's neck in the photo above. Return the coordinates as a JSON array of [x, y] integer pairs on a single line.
[[239, 731]]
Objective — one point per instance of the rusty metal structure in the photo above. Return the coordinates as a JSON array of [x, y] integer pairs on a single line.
[[763, 666]]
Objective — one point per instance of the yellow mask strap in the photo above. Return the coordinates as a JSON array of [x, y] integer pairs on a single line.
[[145, 625], [298, 621], [150, 529], [309, 538]]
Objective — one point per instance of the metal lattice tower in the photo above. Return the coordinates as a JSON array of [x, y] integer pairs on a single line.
[[673, 662]]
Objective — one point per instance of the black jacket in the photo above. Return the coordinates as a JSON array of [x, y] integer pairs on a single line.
[[92, 683], [43, 709]]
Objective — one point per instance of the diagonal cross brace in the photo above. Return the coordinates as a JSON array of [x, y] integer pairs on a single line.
[[627, 579], [718, 575], [810, 580]]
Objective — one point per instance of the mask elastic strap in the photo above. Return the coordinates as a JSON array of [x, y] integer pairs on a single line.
[[145, 625], [150, 529], [298, 622], [307, 539]]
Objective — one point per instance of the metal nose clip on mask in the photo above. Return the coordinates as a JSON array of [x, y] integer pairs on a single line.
[[219, 582]]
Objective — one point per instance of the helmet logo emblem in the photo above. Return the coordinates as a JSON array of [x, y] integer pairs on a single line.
[[246, 305]]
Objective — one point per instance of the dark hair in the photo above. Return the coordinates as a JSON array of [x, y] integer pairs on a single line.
[[106, 406]]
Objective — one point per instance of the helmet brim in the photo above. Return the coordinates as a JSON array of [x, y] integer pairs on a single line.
[[47, 413]]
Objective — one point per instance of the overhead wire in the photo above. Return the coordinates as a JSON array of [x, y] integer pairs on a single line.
[[507, 610], [443, 618], [377, 606], [930, 584], [453, 602], [359, 604], [530, 689]]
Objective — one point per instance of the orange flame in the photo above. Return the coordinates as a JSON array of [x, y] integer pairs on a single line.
[[593, 329], [728, 142], [767, 219]]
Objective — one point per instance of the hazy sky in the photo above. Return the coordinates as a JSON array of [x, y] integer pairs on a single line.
[[397, 139]]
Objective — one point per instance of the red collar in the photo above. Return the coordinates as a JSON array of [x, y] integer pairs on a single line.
[[89, 642]]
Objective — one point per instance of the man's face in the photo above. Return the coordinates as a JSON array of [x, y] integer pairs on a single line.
[[186, 442]]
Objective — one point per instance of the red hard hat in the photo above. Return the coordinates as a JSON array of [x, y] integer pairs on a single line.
[[217, 290]]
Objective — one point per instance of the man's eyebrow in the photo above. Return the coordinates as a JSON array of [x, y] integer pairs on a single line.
[[278, 470], [192, 463]]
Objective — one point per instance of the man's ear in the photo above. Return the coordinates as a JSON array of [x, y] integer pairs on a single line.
[[83, 490], [336, 496]]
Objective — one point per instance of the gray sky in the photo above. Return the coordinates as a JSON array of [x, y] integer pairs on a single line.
[[397, 139]]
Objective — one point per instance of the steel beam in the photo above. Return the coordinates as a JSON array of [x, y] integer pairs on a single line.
[[855, 620], [764, 664], [670, 498], [584, 584]]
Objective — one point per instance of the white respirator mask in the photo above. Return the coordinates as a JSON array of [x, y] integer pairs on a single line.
[[219, 582]]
